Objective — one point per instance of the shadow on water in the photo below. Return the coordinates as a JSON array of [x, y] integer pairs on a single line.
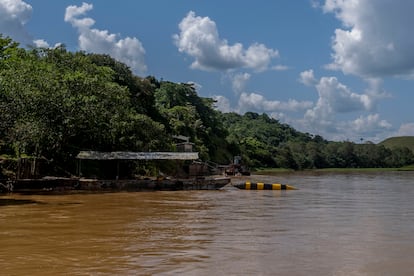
[[12, 201]]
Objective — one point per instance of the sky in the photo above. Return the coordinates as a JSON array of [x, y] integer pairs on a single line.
[[342, 69]]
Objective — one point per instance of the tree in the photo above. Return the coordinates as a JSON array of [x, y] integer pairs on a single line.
[[55, 103], [185, 113]]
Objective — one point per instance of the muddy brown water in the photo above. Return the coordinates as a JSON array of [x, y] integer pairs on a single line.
[[335, 224]]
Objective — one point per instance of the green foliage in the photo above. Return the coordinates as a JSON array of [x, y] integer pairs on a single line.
[[264, 142], [55, 103], [185, 113]]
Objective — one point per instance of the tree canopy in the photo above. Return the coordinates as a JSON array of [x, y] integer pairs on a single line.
[[54, 103]]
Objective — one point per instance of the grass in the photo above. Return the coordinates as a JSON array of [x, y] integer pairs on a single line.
[[401, 141], [407, 168]]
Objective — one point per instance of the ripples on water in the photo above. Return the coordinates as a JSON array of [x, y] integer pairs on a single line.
[[335, 224]]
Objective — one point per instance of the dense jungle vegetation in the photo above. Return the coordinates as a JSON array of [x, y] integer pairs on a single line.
[[54, 103]]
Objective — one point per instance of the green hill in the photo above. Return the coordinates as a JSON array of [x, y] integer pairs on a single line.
[[398, 142]]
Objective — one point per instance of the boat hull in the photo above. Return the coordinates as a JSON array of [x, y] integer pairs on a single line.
[[56, 185]]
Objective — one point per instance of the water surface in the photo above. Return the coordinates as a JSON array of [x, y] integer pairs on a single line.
[[335, 224]]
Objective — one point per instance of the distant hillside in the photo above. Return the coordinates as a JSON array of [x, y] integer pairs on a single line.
[[402, 141]]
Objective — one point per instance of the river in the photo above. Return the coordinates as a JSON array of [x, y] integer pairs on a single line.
[[335, 224]]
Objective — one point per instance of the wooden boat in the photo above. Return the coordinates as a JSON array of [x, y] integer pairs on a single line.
[[58, 184], [117, 182]]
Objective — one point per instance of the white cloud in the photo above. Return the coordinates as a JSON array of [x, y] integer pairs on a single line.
[[340, 98], [369, 127], [307, 78], [406, 129], [280, 116], [199, 38], [257, 102], [72, 12], [14, 14], [254, 102], [239, 81], [222, 104], [369, 124], [376, 38], [280, 67], [338, 114], [128, 50], [334, 98], [40, 43]]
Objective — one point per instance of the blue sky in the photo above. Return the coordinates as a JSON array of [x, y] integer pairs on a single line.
[[336, 68]]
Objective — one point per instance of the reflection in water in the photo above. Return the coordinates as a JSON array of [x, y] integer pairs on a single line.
[[13, 201], [348, 224]]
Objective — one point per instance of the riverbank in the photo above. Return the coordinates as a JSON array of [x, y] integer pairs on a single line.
[[277, 171]]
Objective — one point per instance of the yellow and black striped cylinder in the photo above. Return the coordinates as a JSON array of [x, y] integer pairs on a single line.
[[263, 186]]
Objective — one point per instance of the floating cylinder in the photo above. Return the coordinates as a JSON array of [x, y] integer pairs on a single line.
[[263, 186]]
